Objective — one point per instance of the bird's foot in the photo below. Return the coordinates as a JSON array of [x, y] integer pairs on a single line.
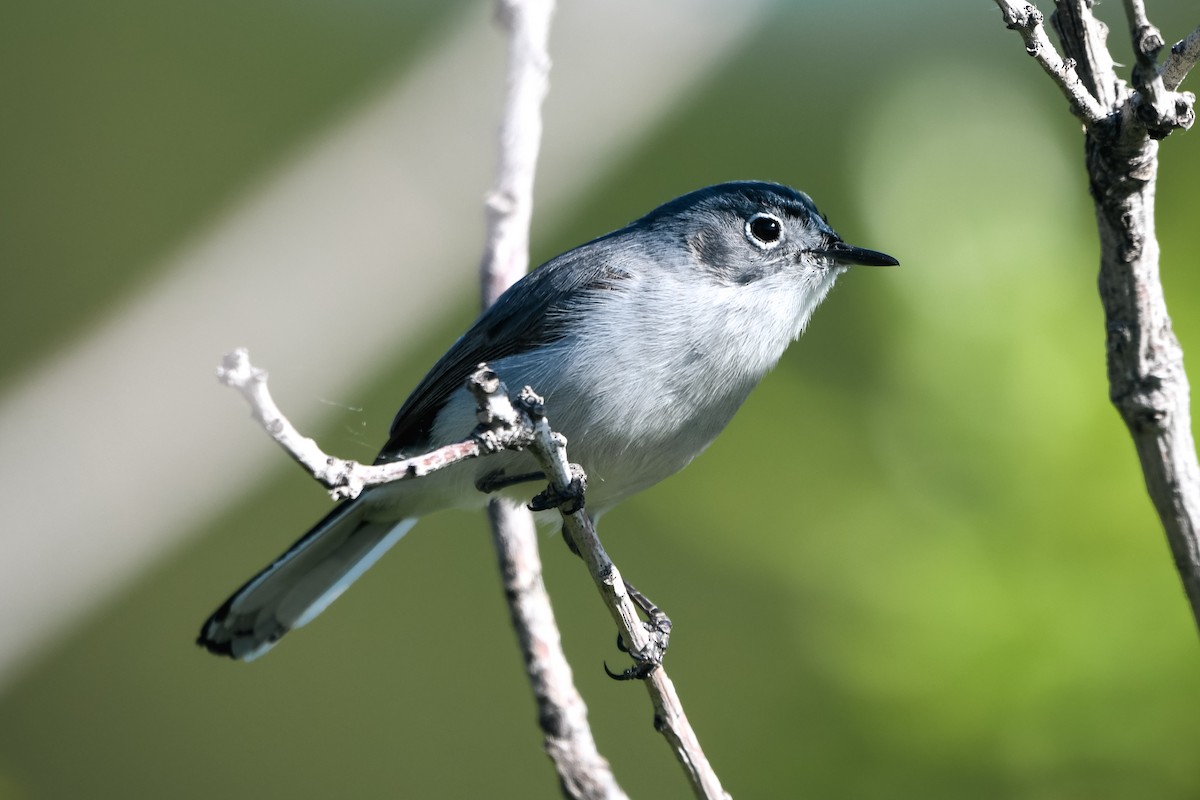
[[649, 658], [569, 500]]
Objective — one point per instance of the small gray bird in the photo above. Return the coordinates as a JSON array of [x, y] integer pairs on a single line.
[[643, 342]]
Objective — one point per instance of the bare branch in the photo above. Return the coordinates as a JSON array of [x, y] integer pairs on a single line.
[[670, 720], [505, 259], [562, 715], [1027, 21], [346, 479], [1184, 55], [1085, 43], [1147, 41], [1147, 381], [582, 771], [510, 202], [549, 449], [646, 644], [1160, 109]]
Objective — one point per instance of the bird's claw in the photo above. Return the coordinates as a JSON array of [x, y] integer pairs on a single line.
[[568, 500], [649, 658], [637, 672]]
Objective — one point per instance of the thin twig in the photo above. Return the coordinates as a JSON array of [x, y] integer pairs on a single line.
[[562, 714], [510, 202], [1184, 55], [502, 427], [345, 479], [1147, 41], [1084, 41], [1160, 109], [1027, 21], [645, 644]]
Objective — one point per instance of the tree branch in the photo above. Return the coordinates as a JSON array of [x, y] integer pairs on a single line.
[[1147, 40], [1160, 109], [1025, 19], [505, 260], [501, 427], [509, 204], [1184, 55], [647, 643], [346, 479], [1147, 381], [1085, 42], [562, 714]]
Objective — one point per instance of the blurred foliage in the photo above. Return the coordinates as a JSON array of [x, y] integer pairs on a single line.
[[920, 563]]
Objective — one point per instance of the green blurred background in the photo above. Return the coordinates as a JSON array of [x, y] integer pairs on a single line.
[[920, 563]]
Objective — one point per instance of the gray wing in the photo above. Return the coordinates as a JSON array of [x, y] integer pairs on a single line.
[[534, 311]]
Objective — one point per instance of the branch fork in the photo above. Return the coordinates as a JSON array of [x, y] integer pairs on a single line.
[[1147, 381], [1086, 75]]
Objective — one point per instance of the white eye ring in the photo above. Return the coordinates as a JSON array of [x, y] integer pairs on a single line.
[[764, 230]]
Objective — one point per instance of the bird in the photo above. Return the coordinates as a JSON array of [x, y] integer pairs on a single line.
[[643, 342]]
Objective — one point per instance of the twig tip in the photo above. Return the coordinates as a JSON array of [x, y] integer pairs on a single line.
[[236, 370]]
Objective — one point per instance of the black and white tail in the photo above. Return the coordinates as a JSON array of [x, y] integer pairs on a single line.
[[301, 583]]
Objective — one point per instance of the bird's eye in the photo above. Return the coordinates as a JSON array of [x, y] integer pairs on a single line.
[[764, 230]]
